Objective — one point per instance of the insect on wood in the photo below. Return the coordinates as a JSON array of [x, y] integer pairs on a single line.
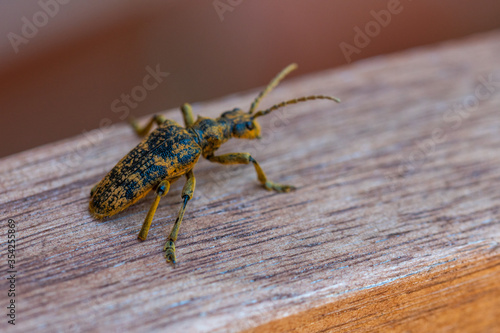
[[171, 151]]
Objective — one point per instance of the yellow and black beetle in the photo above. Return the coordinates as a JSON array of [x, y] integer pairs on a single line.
[[171, 151]]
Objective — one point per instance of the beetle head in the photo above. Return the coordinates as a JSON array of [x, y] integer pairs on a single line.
[[243, 125]]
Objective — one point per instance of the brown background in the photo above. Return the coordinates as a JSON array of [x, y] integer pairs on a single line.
[[63, 81]]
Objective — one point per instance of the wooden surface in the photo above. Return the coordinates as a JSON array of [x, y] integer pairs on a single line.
[[368, 242]]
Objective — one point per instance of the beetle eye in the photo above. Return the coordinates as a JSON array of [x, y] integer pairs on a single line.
[[249, 125]]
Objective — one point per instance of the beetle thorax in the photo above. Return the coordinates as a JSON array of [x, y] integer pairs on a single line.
[[211, 134]]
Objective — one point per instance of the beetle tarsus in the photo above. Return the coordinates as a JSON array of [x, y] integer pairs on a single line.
[[169, 249], [282, 188]]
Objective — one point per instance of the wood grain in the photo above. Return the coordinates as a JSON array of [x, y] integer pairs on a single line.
[[394, 225]]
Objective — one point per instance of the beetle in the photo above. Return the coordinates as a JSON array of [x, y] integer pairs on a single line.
[[171, 151]]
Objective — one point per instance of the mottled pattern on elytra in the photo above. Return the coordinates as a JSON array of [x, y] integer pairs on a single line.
[[167, 153]]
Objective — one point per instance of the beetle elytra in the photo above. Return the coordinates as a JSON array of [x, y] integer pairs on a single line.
[[171, 151]]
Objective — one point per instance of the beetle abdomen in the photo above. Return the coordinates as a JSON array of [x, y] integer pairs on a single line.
[[168, 152]]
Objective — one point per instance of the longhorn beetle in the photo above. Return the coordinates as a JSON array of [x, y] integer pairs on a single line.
[[171, 151]]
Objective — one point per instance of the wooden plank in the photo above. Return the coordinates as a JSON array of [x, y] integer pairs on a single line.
[[395, 223]]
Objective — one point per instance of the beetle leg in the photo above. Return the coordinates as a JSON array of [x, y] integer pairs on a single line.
[[246, 158], [161, 190], [158, 119], [187, 194], [187, 114], [93, 189]]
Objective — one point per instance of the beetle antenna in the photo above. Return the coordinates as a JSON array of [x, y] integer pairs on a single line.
[[294, 101], [274, 82]]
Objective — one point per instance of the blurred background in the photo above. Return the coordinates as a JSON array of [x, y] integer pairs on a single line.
[[67, 65]]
